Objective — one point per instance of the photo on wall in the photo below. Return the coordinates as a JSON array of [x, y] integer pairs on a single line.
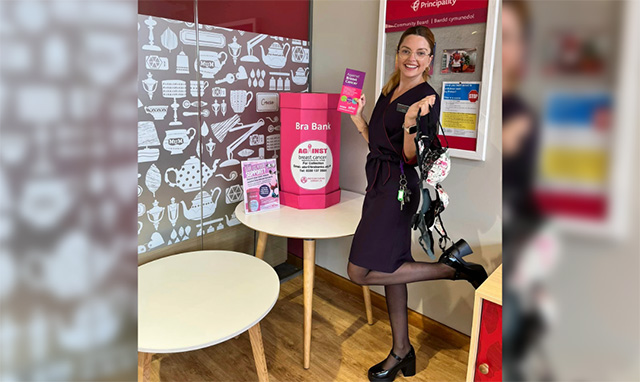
[[459, 61]]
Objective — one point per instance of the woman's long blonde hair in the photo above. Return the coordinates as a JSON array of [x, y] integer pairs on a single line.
[[425, 32]]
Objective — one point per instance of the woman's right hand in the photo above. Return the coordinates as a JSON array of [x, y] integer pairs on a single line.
[[421, 107]]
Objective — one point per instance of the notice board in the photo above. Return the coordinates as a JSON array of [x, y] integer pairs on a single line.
[[465, 34]]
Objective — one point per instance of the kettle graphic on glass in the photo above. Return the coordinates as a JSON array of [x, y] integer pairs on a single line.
[[188, 176], [300, 76], [203, 205], [277, 56]]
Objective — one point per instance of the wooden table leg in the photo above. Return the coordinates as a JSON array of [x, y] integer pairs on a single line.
[[367, 303], [255, 335], [308, 265], [262, 244], [144, 366]]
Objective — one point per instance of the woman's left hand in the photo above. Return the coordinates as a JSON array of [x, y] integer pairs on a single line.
[[421, 106]]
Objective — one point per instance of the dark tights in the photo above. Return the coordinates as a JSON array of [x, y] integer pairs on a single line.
[[395, 289]]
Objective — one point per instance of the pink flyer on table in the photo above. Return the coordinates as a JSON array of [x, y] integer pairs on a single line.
[[261, 188], [351, 91]]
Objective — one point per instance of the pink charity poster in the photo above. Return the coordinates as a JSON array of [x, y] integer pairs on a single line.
[[351, 91], [260, 183]]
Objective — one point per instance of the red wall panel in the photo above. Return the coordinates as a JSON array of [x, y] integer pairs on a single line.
[[280, 18], [170, 9], [490, 342]]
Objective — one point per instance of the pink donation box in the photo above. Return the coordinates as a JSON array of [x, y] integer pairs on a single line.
[[310, 150]]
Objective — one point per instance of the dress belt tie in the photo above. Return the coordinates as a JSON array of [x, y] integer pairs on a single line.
[[382, 158]]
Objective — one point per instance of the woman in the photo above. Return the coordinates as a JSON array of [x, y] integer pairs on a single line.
[[525, 322], [381, 249]]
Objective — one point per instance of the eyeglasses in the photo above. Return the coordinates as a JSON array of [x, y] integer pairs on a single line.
[[406, 53]]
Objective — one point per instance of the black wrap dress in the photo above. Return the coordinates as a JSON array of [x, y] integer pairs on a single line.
[[382, 241]]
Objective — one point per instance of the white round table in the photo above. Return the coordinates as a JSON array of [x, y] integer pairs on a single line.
[[198, 299], [336, 221]]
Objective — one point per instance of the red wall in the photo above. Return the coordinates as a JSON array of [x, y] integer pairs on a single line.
[[170, 9], [279, 18]]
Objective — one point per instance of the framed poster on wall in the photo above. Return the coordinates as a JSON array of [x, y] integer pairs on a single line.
[[459, 108], [465, 34]]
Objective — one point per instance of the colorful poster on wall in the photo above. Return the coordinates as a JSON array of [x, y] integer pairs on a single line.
[[575, 154], [351, 91], [261, 189], [403, 14], [459, 108]]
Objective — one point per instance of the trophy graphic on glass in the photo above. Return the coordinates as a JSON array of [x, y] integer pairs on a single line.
[[174, 211], [150, 85], [223, 108], [174, 89], [151, 46], [234, 50], [155, 214], [210, 147]]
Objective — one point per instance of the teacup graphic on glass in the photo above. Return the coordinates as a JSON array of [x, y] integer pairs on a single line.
[[210, 63], [158, 112], [239, 100], [194, 88], [177, 140]]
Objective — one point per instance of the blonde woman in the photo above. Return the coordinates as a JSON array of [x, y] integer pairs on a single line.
[[381, 249]]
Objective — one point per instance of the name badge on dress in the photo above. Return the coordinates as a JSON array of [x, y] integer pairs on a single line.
[[402, 108]]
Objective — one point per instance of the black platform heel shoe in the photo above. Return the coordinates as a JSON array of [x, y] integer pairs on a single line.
[[473, 273], [406, 364]]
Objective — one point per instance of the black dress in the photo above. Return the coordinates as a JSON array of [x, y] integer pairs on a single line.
[[382, 241]]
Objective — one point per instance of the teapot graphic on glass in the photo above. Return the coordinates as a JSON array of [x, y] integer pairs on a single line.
[[177, 140], [202, 206], [188, 176], [210, 63], [300, 76], [277, 56]]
